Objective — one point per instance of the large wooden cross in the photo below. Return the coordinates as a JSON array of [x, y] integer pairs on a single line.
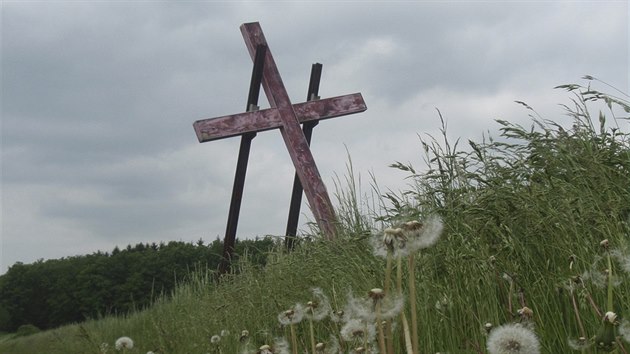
[[286, 117]]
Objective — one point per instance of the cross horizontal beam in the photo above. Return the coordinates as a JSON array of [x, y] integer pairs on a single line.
[[267, 119]]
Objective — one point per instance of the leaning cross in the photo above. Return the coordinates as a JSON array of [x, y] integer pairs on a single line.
[[287, 117]]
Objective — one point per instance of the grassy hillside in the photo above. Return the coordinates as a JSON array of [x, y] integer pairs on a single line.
[[525, 217]]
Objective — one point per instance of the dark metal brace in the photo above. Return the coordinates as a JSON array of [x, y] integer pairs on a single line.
[[241, 164], [307, 129]]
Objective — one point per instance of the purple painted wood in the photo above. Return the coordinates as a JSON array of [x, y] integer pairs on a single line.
[[291, 132], [266, 119], [297, 191], [286, 117]]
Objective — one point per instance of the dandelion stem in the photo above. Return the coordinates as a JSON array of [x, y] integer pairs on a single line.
[[408, 345], [403, 317], [388, 324], [610, 283], [577, 315], [412, 303], [365, 338], [510, 296], [310, 322], [620, 346], [379, 324], [388, 273], [591, 301], [293, 339]]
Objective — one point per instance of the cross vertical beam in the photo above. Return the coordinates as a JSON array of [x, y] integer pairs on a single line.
[[292, 135], [287, 118]]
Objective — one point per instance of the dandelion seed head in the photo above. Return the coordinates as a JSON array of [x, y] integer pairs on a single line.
[[356, 329], [244, 336], [292, 316], [572, 259], [597, 278], [388, 239], [391, 306], [526, 313], [215, 339], [623, 259], [610, 317], [225, 333], [428, 233], [604, 244], [320, 308], [624, 330], [333, 346], [361, 308], [280, 346], [124, 343], [443, 303], [392, 241], [512, 339], [376, 294], [412, 226], [265, 349], [578, 344], [337, 316]]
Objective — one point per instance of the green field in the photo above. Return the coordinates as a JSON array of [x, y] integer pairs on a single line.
[[525, 216]]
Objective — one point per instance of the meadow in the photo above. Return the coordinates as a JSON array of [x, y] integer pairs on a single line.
[[519, 243]]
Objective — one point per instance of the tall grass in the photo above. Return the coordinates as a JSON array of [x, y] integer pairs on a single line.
[[524, 215]]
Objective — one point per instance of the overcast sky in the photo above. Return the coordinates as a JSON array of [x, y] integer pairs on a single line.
[[98, 101]]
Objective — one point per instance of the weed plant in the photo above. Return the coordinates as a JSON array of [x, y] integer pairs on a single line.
[[534, 257]]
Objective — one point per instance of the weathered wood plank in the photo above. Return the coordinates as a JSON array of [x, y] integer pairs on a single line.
[[267, 119], [292, 135]]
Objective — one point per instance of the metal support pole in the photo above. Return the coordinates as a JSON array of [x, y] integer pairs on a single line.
[[241, 164], [307, 129]]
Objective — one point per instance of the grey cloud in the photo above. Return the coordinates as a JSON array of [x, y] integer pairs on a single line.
[[99, 100]]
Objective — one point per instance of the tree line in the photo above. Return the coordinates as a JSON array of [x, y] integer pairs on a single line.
[[55, 292]]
